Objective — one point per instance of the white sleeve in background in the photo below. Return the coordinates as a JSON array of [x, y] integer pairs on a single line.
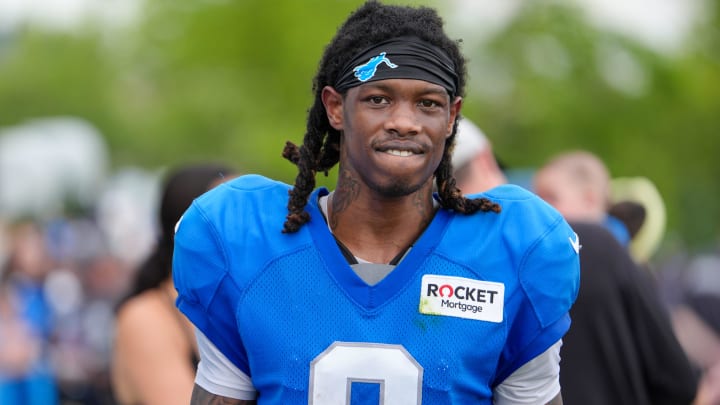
[[218, 375], [536, 382]]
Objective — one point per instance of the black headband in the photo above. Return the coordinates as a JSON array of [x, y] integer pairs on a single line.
[[400, 58]]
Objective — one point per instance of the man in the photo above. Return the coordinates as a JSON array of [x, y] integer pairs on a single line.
[[381, 291], [621, 348]]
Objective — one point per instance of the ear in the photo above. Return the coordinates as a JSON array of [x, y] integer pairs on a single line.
[[333, 102], [455, 107]]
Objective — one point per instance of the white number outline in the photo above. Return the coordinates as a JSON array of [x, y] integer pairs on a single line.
[[391, 366]]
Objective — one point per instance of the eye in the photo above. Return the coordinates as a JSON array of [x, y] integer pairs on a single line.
[[377, 100], [428, 103]]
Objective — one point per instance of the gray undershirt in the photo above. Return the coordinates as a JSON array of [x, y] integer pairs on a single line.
[[370, 273]]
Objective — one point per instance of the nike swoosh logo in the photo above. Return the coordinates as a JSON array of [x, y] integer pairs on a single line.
[[575, 243], [177, 224]]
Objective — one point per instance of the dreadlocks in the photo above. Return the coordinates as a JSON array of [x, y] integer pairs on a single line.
[[320, 151]]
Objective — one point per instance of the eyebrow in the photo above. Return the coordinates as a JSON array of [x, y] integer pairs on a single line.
[[430, 88]]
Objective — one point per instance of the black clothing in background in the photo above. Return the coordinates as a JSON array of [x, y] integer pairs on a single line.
[[621, 348]]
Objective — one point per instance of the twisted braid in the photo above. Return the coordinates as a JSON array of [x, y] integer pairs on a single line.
[[450, 196], [312, 156]]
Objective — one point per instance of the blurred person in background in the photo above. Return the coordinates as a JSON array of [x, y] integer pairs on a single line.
[[26, 321], [84, 295], [621, 347], [697, 321], [155, 353], [577, 183]]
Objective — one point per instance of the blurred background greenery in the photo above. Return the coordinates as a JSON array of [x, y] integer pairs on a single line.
[[230, 80]]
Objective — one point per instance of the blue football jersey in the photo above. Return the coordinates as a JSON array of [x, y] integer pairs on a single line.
[[476, 297]]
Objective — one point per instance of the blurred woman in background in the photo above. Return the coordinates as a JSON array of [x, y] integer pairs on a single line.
[[155, 353]]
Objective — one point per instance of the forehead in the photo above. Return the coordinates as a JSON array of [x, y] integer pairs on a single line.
[[549, 173], [553, 178]]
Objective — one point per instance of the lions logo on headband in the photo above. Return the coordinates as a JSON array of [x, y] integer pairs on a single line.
[[366, 71], [414, 59]]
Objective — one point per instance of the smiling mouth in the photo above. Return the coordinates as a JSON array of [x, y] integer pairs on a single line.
[[398, 152]]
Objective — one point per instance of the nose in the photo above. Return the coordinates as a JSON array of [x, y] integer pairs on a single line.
[[403, 120]]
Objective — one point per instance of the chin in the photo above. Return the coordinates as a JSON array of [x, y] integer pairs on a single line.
[[398, 188]]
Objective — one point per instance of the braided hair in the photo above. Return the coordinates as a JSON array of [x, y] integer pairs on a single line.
[[371, 23]]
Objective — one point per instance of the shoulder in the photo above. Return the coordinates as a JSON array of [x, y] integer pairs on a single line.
[[242, 189], [234, 229], [254, 182], [146, 322], [540, 245], [509, 192], [524, 220], [520, 201], [601, 249], [143, 310], [603, 257], [598, 235], [244, 203], [519, 204]]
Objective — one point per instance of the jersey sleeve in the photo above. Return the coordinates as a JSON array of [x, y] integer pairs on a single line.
[[219, 375], [549, 277], [207, 294], [536, 382]]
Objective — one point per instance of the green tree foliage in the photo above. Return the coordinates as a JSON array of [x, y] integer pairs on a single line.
[[226, 79], [49, 74], [549, 82]]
